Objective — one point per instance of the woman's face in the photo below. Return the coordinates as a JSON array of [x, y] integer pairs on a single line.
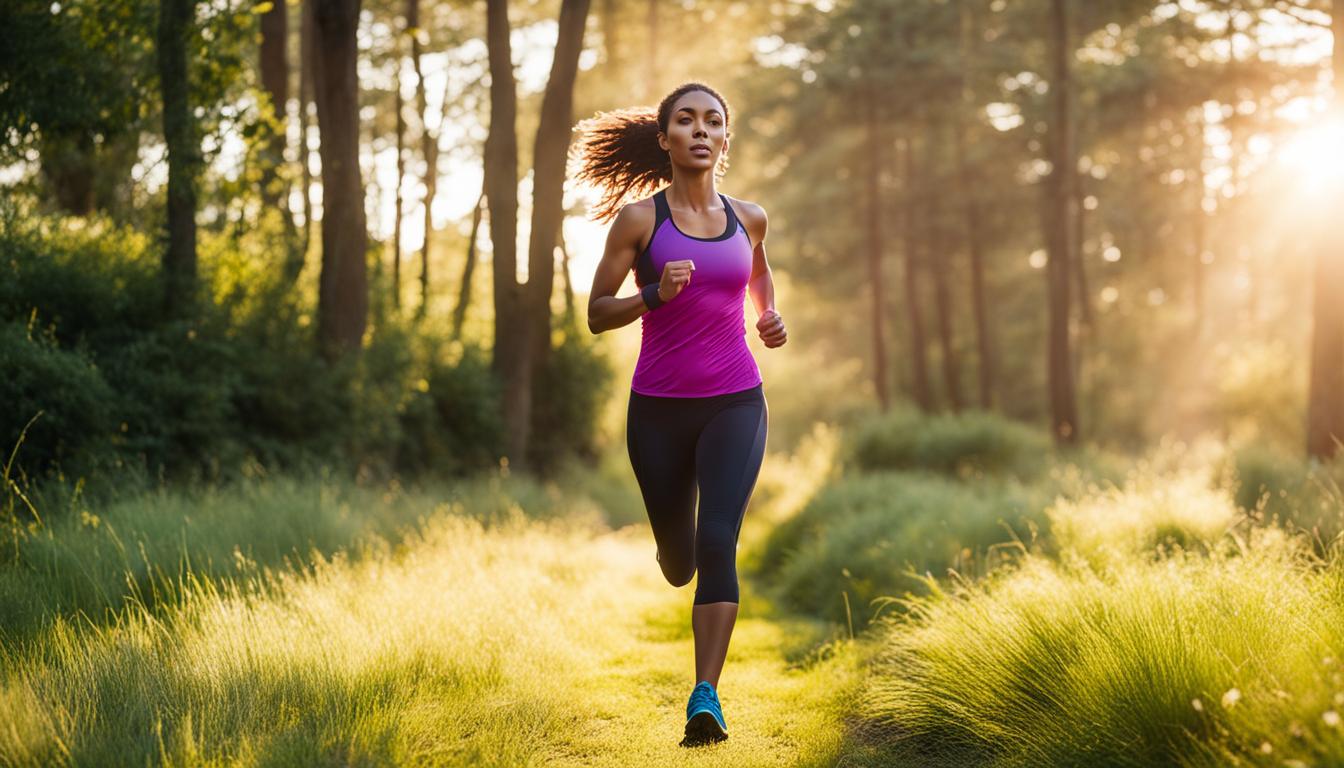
[[697, 134]]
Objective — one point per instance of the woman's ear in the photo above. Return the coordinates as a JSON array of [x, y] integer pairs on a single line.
[[662, 142]]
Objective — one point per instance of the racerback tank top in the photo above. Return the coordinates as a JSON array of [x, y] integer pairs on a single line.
[[695, 345]]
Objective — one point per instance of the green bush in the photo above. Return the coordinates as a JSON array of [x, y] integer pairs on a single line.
[[860, 535], [242, 382], [452, 422], [570, 391], [77, 420], [968, 443]]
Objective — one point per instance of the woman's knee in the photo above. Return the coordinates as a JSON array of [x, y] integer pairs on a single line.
[[678, 573]]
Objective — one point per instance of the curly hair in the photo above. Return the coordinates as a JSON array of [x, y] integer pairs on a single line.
[[618, 150]]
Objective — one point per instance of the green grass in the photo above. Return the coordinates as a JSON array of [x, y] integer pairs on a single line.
[[139, 551], [302, 621], [509, 626], [1231, 659]]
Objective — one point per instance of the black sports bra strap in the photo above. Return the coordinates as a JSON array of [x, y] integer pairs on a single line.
[[662, 211], [732, 215]]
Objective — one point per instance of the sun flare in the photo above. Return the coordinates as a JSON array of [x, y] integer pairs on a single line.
[[1315, 155]]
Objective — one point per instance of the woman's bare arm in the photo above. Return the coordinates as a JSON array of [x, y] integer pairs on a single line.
[[624, 242], [626, 239]]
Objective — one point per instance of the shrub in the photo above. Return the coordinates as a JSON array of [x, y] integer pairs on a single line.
[[861, 535], [574, 385], [968, 443], [78, 418], [452, 422]]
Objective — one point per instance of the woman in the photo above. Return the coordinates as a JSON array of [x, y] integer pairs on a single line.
[[697, 414]]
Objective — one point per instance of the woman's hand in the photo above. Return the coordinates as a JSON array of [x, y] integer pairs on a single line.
[[676, 276], [771, 328]]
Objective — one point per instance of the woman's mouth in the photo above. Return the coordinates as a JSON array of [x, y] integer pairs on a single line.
[[700, 150]]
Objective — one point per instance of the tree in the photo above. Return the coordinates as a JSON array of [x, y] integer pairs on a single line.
[[522, 311], [968, 192], [343, 300], [1061, 218], [1325, 399], [184, 161], [275, 82], [512, 360], [549, 154], [873, 229]]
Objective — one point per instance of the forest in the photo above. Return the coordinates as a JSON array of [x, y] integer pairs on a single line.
[[310, 456]]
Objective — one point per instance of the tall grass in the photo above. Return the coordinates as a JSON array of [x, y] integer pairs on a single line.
[[1228, 657], [393, 659], [142, 550]]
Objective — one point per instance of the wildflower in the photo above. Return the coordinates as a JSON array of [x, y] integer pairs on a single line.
[[1331, 718], [1197, 704], [1231, 698]]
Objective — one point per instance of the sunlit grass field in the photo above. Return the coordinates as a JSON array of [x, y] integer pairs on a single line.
[[1037, 610], [501, 623]]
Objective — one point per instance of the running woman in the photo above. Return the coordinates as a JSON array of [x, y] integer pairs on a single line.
[[697, 413]]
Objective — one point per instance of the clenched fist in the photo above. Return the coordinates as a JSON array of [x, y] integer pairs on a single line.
[[771, 328], [676, 276]]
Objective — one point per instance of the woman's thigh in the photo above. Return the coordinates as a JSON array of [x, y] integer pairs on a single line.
[[661, 438], [729, 452]]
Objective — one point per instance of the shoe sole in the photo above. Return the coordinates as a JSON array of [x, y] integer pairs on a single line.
[[703, 728]]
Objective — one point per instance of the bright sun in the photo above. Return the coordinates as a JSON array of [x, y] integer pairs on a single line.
[[1315, 155]]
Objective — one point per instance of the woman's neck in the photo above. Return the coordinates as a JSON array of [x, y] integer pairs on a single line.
[[694, 191]]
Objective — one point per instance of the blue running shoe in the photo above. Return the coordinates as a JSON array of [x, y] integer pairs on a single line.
[[704, 717]]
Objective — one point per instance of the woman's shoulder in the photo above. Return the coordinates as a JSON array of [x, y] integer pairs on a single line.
[[752, 216]]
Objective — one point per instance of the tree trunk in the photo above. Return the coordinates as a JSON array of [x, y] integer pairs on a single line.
[[610, 36], [184, 156], [295, 266], [275, 82], [919, 364], [1063, 175], [548, 188], [940, 266], [68, 163], [984, 342], [429, 150], [401, 175], [343, 291], [564, 270], [512, 359], [1325, 400], [468, 269], [1200, 219], [873, 230]]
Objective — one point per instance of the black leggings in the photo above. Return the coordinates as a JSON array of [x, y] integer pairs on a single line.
[[717, 443]]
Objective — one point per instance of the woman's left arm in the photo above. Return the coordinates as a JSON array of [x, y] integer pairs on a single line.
[[761, 286]]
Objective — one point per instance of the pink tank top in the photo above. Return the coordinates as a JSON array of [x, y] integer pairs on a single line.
[[696, 344]]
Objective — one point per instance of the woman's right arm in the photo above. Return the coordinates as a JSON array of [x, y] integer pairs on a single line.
[[605, 311]]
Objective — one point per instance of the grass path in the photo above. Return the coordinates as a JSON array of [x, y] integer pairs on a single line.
[[524, 642], [780, 709]]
